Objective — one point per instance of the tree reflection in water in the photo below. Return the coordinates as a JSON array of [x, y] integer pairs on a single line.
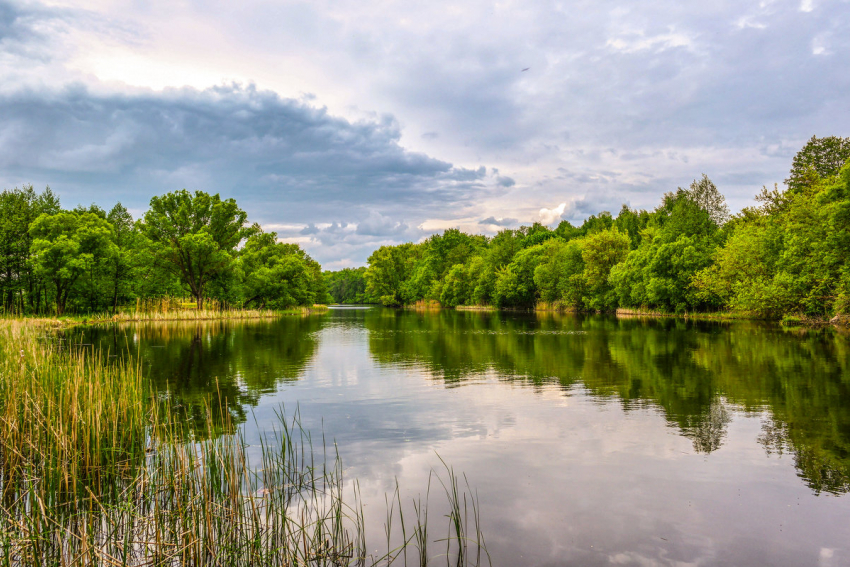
[[697, 373], [208, 369]]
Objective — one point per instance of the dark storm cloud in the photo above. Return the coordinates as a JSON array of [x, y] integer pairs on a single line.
[[274, 154]]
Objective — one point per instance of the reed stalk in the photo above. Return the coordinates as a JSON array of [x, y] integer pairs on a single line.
[[95, 470]]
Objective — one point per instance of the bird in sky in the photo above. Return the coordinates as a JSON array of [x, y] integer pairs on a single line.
[[526, 69]]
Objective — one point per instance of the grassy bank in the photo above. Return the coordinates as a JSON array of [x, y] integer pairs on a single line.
[[162, 311], [476, 308], [558, 306], [719, 315], [95, 471], [425, 305]]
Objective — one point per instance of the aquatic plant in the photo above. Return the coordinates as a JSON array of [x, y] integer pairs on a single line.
[[95, 470]]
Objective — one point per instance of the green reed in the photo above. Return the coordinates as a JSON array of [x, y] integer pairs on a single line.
[[95, 471]]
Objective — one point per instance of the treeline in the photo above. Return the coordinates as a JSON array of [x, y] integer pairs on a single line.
[[789, 254], [349, 286], [89, 260]]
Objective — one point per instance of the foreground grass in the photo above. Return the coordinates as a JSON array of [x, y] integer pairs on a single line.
[[94, 471]]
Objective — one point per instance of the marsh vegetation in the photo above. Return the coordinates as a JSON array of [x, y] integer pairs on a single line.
[[96, 468]]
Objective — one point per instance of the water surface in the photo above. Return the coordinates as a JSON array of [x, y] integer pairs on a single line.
[[590, 440]]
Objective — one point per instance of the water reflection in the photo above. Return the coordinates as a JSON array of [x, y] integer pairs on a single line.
[[221, 366], [691, 370], [695, 373], [591, 440]]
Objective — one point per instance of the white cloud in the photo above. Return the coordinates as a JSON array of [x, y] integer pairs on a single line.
[[638, 41], [551, 216]]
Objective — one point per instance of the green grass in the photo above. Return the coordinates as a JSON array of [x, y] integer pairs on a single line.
[[95, 471]]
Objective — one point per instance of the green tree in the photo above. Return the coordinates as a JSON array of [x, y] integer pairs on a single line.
[[389, 269], [120, 269], [195, 236], [704, 193], [789, 255], [559, 275], [601, 251], [439, 253], [819, 158], [515, 282], [631, 222], [482, 281], [742, 274], [68, 245], [456, 287], [18, 209], [348, 286], [278, 275], [679, 241]]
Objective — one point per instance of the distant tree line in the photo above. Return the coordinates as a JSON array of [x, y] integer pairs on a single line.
[[90, 260], [349, 286], [791, 253]]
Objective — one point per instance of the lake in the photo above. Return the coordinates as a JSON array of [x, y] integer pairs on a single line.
[[590, 440]]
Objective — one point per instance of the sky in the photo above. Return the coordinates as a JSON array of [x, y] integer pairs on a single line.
[[347, 125]]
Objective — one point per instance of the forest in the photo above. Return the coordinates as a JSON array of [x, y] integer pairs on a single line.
[[88, 260], [790, 254]]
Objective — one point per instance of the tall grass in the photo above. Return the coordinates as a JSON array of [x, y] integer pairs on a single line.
[[425, 305], [95, 471]]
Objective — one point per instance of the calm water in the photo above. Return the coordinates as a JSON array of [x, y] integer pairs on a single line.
[[590, 440]]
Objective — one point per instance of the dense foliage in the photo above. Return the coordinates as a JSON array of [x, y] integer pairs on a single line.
[[791, 254], [87, 260], [348, 286]]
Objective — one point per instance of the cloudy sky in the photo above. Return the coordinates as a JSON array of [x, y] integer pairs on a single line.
[[345, 125]]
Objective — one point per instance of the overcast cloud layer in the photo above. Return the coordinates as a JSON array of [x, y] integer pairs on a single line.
[[347, 125]]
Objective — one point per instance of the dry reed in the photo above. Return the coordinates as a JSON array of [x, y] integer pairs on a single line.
[[94, 471]]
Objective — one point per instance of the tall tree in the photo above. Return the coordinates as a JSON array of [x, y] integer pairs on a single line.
[[389, 269], [18, 209], [66, 246], [120, 268], [819, 158], [195, 236], [278, 275], [601, 251], [705, 194]]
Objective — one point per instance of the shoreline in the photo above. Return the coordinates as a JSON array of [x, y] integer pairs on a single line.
[[177, 315], [838, 322]]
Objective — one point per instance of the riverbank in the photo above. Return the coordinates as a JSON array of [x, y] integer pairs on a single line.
[[840, 322], [166, 315], [476, 308], [717, 316]]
